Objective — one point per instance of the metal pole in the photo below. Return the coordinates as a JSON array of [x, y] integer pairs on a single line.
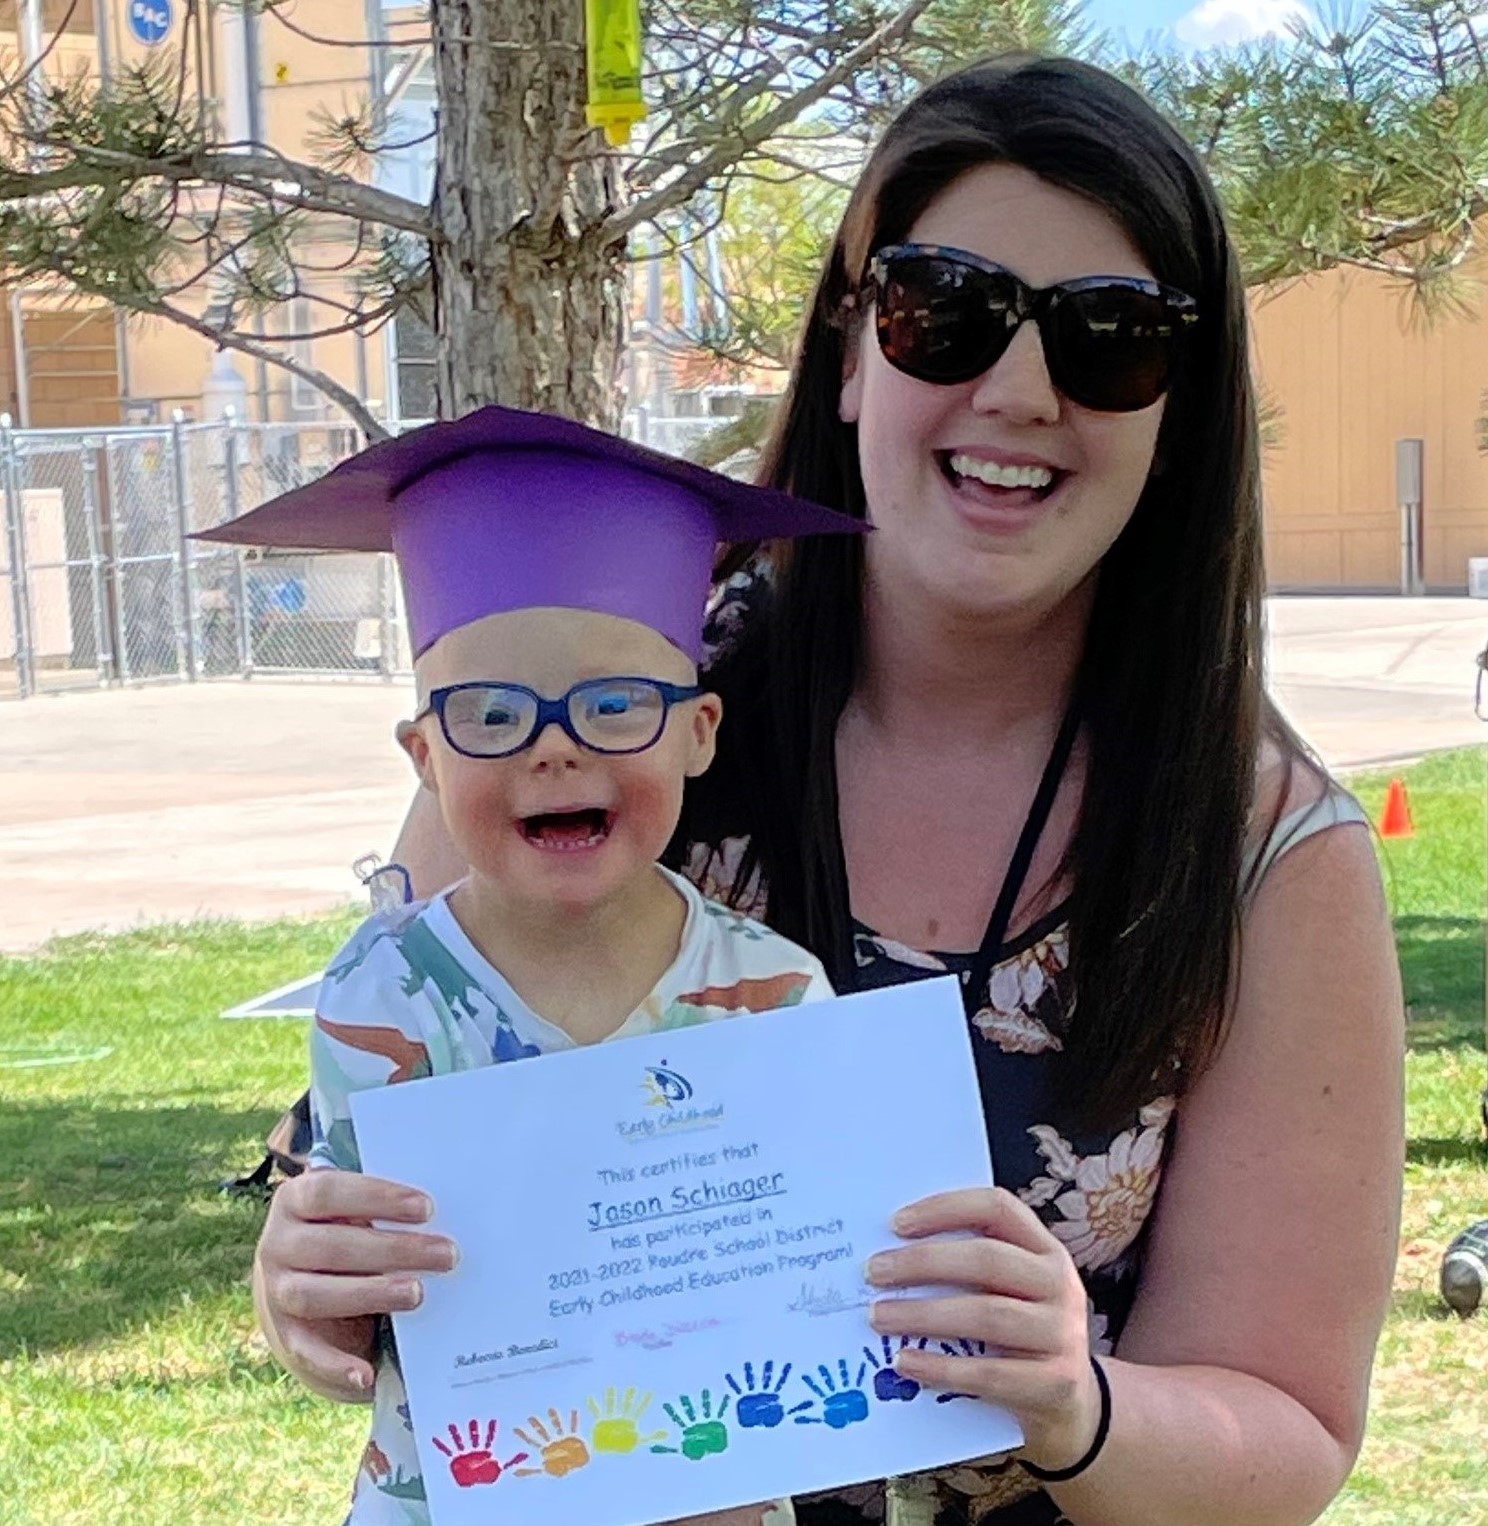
[[385, 624], [101, 26], [240, 576], [118, 563], [18, 341], [186, 600], [33, 60], [20, 602], [1410, 495], [95, 559]]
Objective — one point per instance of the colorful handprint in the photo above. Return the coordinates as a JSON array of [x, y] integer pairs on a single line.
[[474, 1463], [561, 1447], [889, 1384], [617, 1430], [843, 1401], [760, 1404], [703, 1431]]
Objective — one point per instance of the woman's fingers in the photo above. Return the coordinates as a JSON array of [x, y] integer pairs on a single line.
[[1035, 1391], [992, 1266], [983, 1210], [1008, 1325]]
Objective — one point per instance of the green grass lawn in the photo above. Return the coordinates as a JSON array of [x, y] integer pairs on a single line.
[[133, 1387]]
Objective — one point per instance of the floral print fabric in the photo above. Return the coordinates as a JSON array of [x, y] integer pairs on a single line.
[[1095, 1191]]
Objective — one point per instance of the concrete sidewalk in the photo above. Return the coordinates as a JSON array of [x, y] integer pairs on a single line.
[[252, 799], [1376, 680]]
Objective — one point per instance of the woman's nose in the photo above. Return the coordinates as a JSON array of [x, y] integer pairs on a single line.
[[1017, 384]]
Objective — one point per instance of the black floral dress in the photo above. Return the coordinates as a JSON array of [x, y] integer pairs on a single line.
[[1095, 1191]]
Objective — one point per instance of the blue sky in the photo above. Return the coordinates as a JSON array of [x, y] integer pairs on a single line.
[[1195, 23]]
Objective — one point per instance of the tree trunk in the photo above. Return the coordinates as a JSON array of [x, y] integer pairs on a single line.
[[530, 307]]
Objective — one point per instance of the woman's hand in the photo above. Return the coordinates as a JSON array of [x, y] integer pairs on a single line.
[[322, 1274], [1024, 1301]]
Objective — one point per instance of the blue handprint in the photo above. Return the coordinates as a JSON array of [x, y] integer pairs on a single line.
[[889, 1384], [760, 1404], [843, 1401]]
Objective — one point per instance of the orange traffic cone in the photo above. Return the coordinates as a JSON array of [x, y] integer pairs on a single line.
[[1396, 818]]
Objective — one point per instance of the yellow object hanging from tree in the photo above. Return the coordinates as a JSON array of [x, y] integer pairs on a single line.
[[613, 35]]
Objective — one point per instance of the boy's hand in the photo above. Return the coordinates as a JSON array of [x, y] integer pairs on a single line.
[[322, 1273]]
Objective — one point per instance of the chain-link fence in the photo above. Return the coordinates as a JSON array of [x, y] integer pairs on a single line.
[[100, 583]]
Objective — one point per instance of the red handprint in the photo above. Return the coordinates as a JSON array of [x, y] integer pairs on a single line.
[[472, 1462]]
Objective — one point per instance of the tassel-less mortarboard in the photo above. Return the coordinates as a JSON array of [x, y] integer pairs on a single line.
[[504, 510]]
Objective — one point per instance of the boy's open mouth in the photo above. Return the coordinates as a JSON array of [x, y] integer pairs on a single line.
[[568, 831]]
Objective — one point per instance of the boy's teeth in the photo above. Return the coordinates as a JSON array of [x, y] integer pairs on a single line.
[[1037, 477]]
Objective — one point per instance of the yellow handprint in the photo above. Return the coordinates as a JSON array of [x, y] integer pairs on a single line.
[[618, 1430], [562, 1448]]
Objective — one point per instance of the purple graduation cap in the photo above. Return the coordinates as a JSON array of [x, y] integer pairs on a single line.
[[505, 509]]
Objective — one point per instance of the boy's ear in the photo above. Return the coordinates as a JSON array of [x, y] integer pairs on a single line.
[[707, 711], [411, 739]]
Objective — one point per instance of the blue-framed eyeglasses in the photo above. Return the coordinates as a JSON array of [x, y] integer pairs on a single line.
[[607, 715]]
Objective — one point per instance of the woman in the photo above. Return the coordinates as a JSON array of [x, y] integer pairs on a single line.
[[1019, 733]]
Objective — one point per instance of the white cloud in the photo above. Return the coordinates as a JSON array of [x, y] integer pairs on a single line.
[[1217, 22]]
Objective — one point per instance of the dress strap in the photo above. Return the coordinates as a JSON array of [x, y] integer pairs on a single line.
[[1028, 841]]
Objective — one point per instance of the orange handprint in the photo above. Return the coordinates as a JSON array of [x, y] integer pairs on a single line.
[[562, 1448], [618, 1430]]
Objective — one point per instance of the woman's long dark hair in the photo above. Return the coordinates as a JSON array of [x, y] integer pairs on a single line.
[[1170, 680]]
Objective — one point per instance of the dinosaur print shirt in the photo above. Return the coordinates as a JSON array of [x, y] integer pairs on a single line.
[[411, 996]]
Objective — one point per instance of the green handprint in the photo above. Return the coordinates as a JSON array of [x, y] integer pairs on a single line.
[[703, 1432]]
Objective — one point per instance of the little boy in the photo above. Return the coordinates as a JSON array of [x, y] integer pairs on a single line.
[[555, 581]]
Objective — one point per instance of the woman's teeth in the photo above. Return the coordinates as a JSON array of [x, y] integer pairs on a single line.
[[1035, 477]]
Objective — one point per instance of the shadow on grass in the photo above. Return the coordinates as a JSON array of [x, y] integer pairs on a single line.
[[1441, 962], [1425, 1305], [1447, 1152], [112, 1217]]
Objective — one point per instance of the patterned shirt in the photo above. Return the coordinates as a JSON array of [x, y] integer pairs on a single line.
[[411, 996]]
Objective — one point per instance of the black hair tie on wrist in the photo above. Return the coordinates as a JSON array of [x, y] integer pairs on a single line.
[[1063, 1475]]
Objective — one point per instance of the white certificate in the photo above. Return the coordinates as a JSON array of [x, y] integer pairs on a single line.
[[659, 1307]]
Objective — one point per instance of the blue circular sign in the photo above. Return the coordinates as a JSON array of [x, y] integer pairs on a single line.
[[150, 21]]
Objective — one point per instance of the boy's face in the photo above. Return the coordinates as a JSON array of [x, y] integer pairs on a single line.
[[556, 822]]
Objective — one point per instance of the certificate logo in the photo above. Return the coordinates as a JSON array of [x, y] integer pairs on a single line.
[[664, 1087], [671, 1106]]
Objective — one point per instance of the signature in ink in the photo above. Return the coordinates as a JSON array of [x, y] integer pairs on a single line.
[[657, 1340], [815, 1299], [648, 1340]]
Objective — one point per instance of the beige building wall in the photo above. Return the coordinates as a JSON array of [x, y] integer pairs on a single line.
[[302, 73], [162, 366], [1353, 368]]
